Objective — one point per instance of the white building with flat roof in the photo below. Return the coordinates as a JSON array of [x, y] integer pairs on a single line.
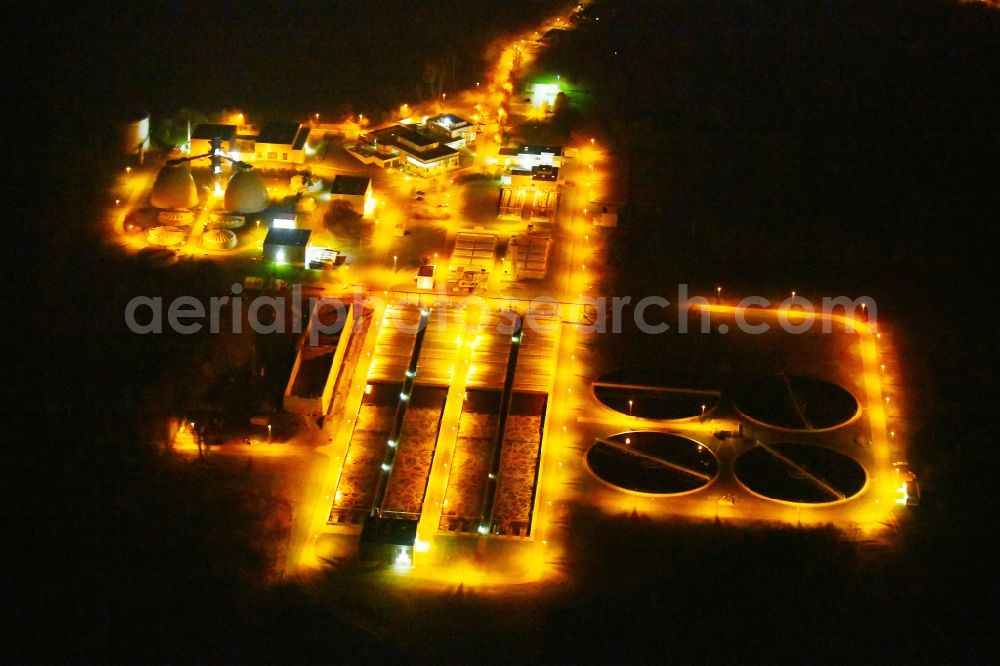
[[457, 132]]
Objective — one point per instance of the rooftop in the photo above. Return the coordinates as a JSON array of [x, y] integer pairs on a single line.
[[288, 237], [213, 130], [539, 150], [281, 133], [449, 120], [393, 531], [350, 185], [415, 137], [383, 134], [428, 149], [433, 154], [545, 173]]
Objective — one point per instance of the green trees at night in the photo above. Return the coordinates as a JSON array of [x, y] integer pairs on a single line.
[[173, 130]]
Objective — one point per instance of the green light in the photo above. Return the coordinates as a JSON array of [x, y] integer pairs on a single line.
[[544, 94]]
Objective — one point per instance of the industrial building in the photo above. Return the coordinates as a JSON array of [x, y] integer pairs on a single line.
[[202, 138], [425, 276], [401, 145], [529, 184], [355, 190], [286, 246], [281, 142], [528, 156], [472, 260], [529, 194], [318, 360], [457, 132], [529, 257]]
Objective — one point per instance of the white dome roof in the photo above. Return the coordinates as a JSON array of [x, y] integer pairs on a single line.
[[219, 239], [174, 187], [246, 192]]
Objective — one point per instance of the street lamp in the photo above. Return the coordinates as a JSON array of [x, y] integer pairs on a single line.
[[703, 411], [630, 408], [718, 294], [394, 258], [128, 170], [268, 433]]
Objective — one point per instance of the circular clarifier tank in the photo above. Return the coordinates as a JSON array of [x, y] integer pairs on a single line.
[[800, 473], [219, 239], [655, 463], [165, 236], [654, 393], [795, 402]]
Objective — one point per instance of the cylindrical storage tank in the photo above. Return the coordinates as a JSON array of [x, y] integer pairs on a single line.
[[174, 187], [234, 221], [165, 236], [175, 217], [218, 239], [225, 220], [246, 192], [134, 132]]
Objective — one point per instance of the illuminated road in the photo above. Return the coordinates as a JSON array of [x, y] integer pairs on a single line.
[[440, 471]]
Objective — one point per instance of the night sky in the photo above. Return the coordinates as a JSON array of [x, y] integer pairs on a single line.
[[284, 58], [839, 146]]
